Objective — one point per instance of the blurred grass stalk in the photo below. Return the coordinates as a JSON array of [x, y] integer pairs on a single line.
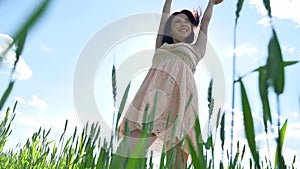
[[19, 39]]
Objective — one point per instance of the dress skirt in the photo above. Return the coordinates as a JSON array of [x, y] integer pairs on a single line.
[[167, 98]]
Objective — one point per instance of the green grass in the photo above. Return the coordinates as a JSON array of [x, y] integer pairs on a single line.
[[86, 149]]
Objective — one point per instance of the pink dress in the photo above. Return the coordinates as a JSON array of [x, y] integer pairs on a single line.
[[171, 79]]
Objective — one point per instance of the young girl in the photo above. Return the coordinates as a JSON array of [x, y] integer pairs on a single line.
[[170, 80]]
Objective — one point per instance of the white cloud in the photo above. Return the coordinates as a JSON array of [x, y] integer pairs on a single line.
[[32, 120], [265, 21], [293, 130], [36, 101], [245, 50], [22, 71], [5, 40], [20, 100], [296, 114], [32, 123], [289, 50], [288, 153], [281, 9], [239, 128], [262, 136], [46, 48], [58, 123]]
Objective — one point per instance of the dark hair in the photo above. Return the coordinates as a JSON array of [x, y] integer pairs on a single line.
[[193, 18]]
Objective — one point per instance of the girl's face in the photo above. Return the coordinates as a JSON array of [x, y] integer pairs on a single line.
[[181, 27]]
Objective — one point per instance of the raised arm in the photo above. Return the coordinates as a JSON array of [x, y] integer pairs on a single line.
[[163, 20], [200, 44]]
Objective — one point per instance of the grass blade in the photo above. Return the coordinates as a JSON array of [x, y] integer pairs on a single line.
[[209, 92], [239, 6], [279, 160], [200, 157], [275, 64], [28, 24], [21, 36], [32, 20], [114, 91], [248, 122], [122, 105], [20, 47], [268, 7], [6, 94], [222, 131], [196, 162], [288, 63], [263, 91]]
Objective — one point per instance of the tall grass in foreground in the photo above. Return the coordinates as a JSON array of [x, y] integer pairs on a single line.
[[85, 149], [270, 76]]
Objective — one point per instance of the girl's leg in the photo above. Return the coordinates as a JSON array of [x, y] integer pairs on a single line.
[[127, 147], [180, 159], [135, 135], [128, 144]]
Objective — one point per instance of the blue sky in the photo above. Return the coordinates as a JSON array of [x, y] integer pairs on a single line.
[[44, 85]]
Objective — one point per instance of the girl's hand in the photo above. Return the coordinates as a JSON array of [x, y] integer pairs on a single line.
[[217, 1]]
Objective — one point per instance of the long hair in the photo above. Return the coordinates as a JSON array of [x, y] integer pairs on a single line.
[[193, 18]]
